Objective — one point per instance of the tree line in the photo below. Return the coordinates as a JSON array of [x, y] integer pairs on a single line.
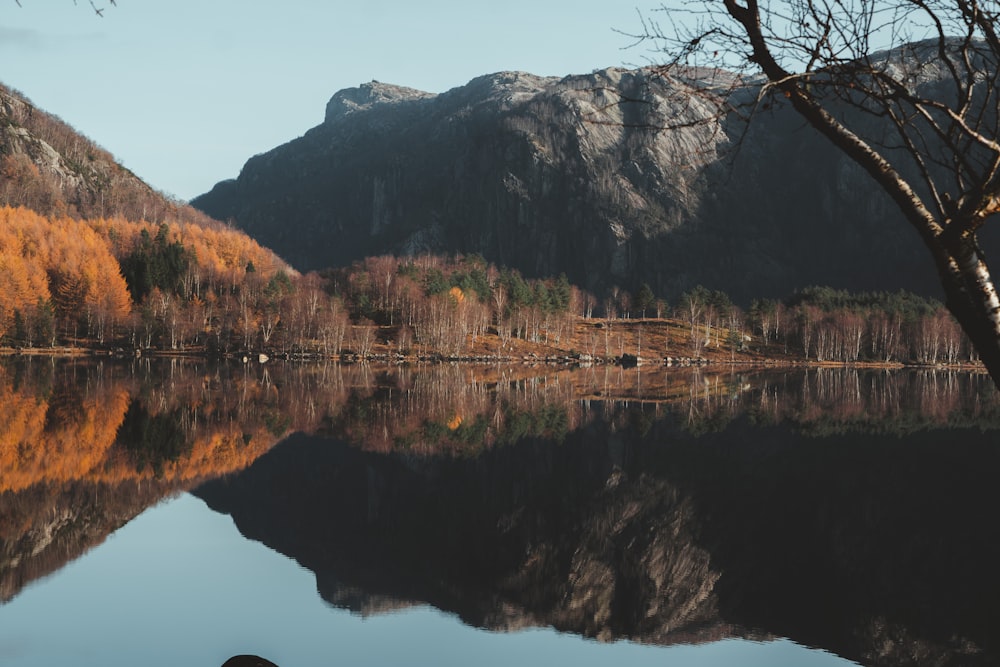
[[825, 324], [919, 118], [183, 286], [114, 282]]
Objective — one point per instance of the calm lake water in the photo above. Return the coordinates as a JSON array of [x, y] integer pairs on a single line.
[[178, 513]]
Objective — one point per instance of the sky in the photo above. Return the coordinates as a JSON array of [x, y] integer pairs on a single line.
[[183, 92]]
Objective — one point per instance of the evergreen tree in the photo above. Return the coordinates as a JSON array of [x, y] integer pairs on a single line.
[[645, 299]]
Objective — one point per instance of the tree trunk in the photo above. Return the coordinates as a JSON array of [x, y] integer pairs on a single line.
[[972, 298]]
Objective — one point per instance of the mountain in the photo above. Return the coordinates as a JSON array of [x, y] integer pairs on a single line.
[[83, 242], [47, 166], [574, 175]]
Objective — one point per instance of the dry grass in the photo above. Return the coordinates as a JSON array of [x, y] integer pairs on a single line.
[[651, 340]]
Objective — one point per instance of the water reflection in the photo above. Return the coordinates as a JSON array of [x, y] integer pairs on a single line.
[[881, 550], [845, 509], [86, 447]]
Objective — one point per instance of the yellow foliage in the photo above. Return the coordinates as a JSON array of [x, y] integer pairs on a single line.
[[58, 259], [72, 449], [68, 436], [219, 253]]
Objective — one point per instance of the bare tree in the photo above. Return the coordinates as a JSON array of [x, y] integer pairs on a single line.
[[99, 10], [919, 116]]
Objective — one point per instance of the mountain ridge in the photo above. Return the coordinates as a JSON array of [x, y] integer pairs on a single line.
[[49, 167], [578, 175], [374, 170]]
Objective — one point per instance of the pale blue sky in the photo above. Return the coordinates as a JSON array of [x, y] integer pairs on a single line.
[[182, 92]]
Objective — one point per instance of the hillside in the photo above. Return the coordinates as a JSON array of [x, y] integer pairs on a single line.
[[551, 175], [90, 254], [100, 281], [49, 167], [72, 276]]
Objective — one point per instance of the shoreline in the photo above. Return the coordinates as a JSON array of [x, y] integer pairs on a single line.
[[533, 359]]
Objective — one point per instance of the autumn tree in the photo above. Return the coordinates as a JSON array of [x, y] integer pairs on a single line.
[[692, 307], [919, 117], [56, 269], [331, 324], [764, 317]]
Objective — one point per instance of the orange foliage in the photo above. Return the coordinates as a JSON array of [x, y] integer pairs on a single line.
[[57, 259], [23, 280], [220, 252], [31, 453], [69, 435], [74, 265]]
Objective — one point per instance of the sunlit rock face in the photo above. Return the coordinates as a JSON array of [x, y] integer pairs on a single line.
[[616, 177]]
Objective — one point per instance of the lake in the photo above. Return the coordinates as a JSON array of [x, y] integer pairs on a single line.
[[178, 512]]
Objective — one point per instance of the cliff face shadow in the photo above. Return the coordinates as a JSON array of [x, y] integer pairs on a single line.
[[880, 548]]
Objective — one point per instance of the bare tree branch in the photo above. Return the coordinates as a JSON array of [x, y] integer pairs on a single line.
[[97, 10]]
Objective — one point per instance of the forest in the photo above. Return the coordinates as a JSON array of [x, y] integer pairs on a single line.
[[110, 284]]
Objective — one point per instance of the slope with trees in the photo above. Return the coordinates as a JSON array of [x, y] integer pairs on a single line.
[[67, 280], [49, 167]]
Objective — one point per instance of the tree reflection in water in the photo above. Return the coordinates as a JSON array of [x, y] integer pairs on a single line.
[[829, 506], [845, 509]]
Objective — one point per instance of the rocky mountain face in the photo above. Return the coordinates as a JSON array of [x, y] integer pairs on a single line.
[[47, 166], [578, 175]]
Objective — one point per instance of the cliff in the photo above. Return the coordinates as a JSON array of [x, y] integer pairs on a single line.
[[578, 175]]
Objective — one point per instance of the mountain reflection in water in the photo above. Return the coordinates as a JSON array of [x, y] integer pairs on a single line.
[[849, 510]]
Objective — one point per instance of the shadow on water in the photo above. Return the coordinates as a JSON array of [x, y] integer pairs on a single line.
[[848, 510]]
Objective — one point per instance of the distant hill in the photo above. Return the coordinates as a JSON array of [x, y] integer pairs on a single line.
[[553, 175], [84, 242], [49, 167]]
